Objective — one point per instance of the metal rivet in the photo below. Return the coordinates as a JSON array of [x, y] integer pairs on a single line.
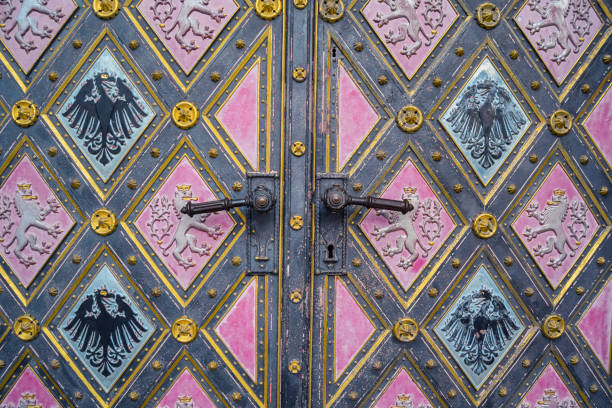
[[157, 75], [377, 365], [132, 260], [134, 395], [240, 43], [212, 293], [357, 186], [52, 151], [155, 152], [132, 184], [356, 262], [533, 158], [236, 396], [459, 51], [452, 394], [76, 258], [236, 261], [379, 294], [212, 153], [77, 44], [529, 291], [215, 76], [75, 183], [580, 290], [593, 388], [52, 291], [353, 396], [456, 262], [381, 155], [603, 191], [437, 82], [433, 292], [503, 391], [156, 292], [157, 365], [430, 364], [2, 364], [607, 58], [514, 54], [78, 395], [55, 364], [382, 79], [584, 159], [53, 75], [526, 363], [436, 156], [508, 261], [458, 188], [213, 365], [358, 46], [133, 44], [601, 261], [535, 85], [237, 186], [574, 359], [512, 188], [585, 88]]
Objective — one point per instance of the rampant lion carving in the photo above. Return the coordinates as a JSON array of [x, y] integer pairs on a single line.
[[411, 27], [185, 22], [182, 238], [430, 227], [551, 219], [31, 215], [25, 21], [554, 14]]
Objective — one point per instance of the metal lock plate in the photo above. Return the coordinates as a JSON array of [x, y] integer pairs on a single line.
[[262, 245], [330, 229]]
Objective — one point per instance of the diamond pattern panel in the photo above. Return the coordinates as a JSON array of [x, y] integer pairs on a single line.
[[549, 390], [596, 325], [186, 392], [28, 391], [403, 392], [599, 125]]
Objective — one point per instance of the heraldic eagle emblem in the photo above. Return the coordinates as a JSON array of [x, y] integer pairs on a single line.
[[479, 328], [104, 113], [105, 327], [486, 120]]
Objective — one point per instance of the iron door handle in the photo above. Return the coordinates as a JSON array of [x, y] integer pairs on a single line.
[[260, 199], [336, 198]]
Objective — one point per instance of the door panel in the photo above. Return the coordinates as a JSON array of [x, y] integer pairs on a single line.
[[111, 295], [485, 294]]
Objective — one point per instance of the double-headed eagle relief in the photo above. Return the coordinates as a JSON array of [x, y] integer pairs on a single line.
[[411, 27], [479, 328], [104, 113], [27, 19]]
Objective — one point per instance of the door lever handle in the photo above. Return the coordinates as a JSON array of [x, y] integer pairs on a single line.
[[260, 199], [336, 198]]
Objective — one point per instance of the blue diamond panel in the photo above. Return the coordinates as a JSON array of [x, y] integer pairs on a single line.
[[105, 328], [105, 115], [485, 120], [479, 328]]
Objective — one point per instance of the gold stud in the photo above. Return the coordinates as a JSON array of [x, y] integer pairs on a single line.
[[437, 82], [212, 153], [533, 158], [298, 149], [580, 290], [155, 152], [132, 260], [529, 291], [24, 113], [377, 365], [508, 261], [76, 259], [300, 4], [294, 367], [353, 396], [76, 44], [26, 327], [55, 364], [156, 292], [296, 222], [503, 391], [433, 292], [103, 222], [512, 188], [53, 76], [452, 394], [601, 261], [184, 329], [553, 326], [236, 396], [356, 262], [52, 151], [52, 291], [357, 186], [456, 262], [381, 155], [607, 58], [134, 395], [157, 365], [215, 76], [488, 15], [560, 122], [436, 156], [213, 365], [157, 75], [458, 188], [2, 364], [185, 115], [585, 88], [75, 183], [382, 79], [240, 43], [593, 388], [459, 51], [430, 364], [584, 159], [379, 294], [358, 46], [299, 74], [133, 44], [535, 85], [132, 184], [78, 395], [237, 186], [603, 191], [514, 54], [105, 9], [212, 293], [295, 296], [406, 329], [236, 261], [526, 363], [409, 118], [574, 359], [268, 9], [484, 225]]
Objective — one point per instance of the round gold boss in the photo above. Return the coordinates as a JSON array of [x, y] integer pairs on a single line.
[[410, 118], [405, 329], [560, 122], [553, 326], [24, 113], [106, 9], [184, 329], [185, 115], [484, 225], [26, 327], [103, 221]]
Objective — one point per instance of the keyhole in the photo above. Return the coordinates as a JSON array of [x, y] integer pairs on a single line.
[[331, 256], [334, 52]]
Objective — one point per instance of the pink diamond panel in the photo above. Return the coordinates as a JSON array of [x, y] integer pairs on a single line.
[[32, 25], [402, 392], [596, 325], [560, 32], [599, 125], [240, 114], [556, 225], [238, 329], [185, 244], [549, 391], [186, 392], [33, 221], [352, 328], [29, 391], [187, 28], [356, 117], [407, 241], [410, 29]]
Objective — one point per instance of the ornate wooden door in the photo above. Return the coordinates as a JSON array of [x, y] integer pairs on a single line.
[[492, 120]]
